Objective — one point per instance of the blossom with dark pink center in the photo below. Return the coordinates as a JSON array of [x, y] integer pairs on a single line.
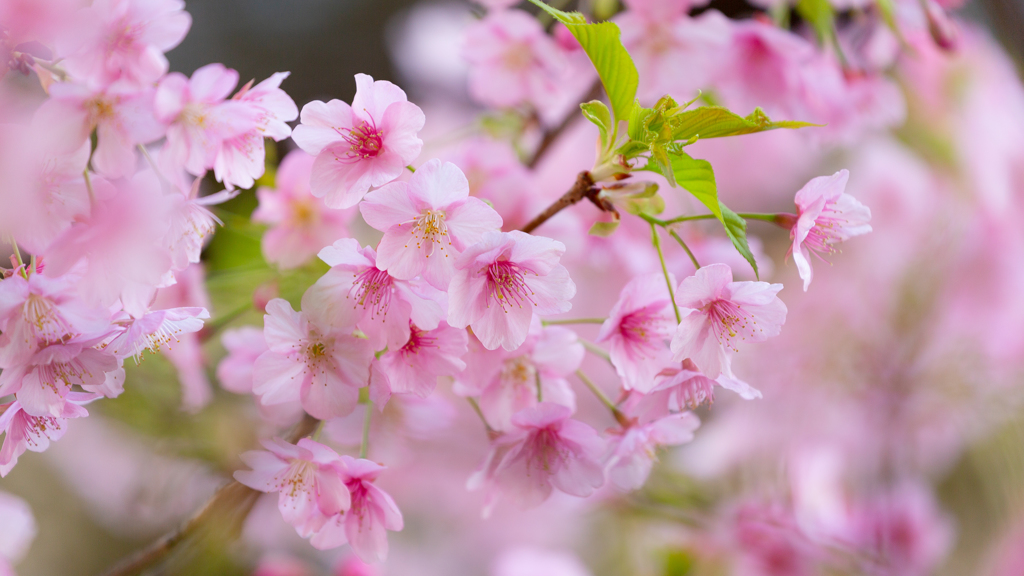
[[26, 432], [637, 330], [546, 449], [682, 388], [322, 366], [826, 216], [307, 478], [42, 383], [502, 281], [364, 526], [355, 292], [427, 222], [632, 451], [366, 144], [428, 354], [718, 314]]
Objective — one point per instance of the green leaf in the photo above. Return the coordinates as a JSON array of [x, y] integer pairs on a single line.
[[736, 230], [698, 178], [598, 113], [638, 118], [604, 229], [652, 206], [611, 60], [716, 122]]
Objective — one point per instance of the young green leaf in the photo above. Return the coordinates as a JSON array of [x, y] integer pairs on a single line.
[[698, 178], [613, 64], [604, 229], [736, 230], [598, 113], [821, 17], [716, 122]]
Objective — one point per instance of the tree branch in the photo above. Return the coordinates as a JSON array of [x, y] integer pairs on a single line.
[[230, 504], [552, 135]]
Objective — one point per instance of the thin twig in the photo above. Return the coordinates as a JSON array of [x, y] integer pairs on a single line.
[[619, 416], [551, 136], [233, 501], [580, 190]]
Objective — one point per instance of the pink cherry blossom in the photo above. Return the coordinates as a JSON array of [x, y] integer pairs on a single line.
[[357, 292], [364, 526], [126, 39], [242, 159], [17, 530], [25, 432], [121, 114], [632, 451], [40, 310], [43, 190], [366, 144], [637, 329], [155, 330], [545, 450], [244, 345], [119, 244], [322, 366], [718, 314], [308, 478], [826, 216], [502, 281], [300, 225], [42, 383], [677, 389], [513, 61], [415, 367], [190, 223], [506, 382], [200, 116], [427, 223]]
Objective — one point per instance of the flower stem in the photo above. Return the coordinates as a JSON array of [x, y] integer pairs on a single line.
[[491, 433], [563, 321], [619, 416], [664, 270], [88, 187], [410, 169], [685, 247], [595, 350], [540, 387], [364, 447]]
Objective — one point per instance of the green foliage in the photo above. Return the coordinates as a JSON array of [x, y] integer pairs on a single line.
[[598, 113], [604, 229], [613, 64], [715, 122], [698, 178], [678, 563], [736, 230]]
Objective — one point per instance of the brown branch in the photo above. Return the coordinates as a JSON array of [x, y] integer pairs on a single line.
[[231, 504], [552, 135], [583, 188]]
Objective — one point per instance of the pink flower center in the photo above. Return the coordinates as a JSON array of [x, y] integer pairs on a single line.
[[372, 291], [60, 376], [506, 285], [41, 426], [517, 372], [546, 452], [429, 227], [642, 328], [827, 230], [693, 393], [518, 57], [418, 339], [300, 478], [364, 142], [43, 320], [728, 321], [123, 38]]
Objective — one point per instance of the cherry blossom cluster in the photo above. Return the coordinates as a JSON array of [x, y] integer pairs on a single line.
[[102, 207]]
